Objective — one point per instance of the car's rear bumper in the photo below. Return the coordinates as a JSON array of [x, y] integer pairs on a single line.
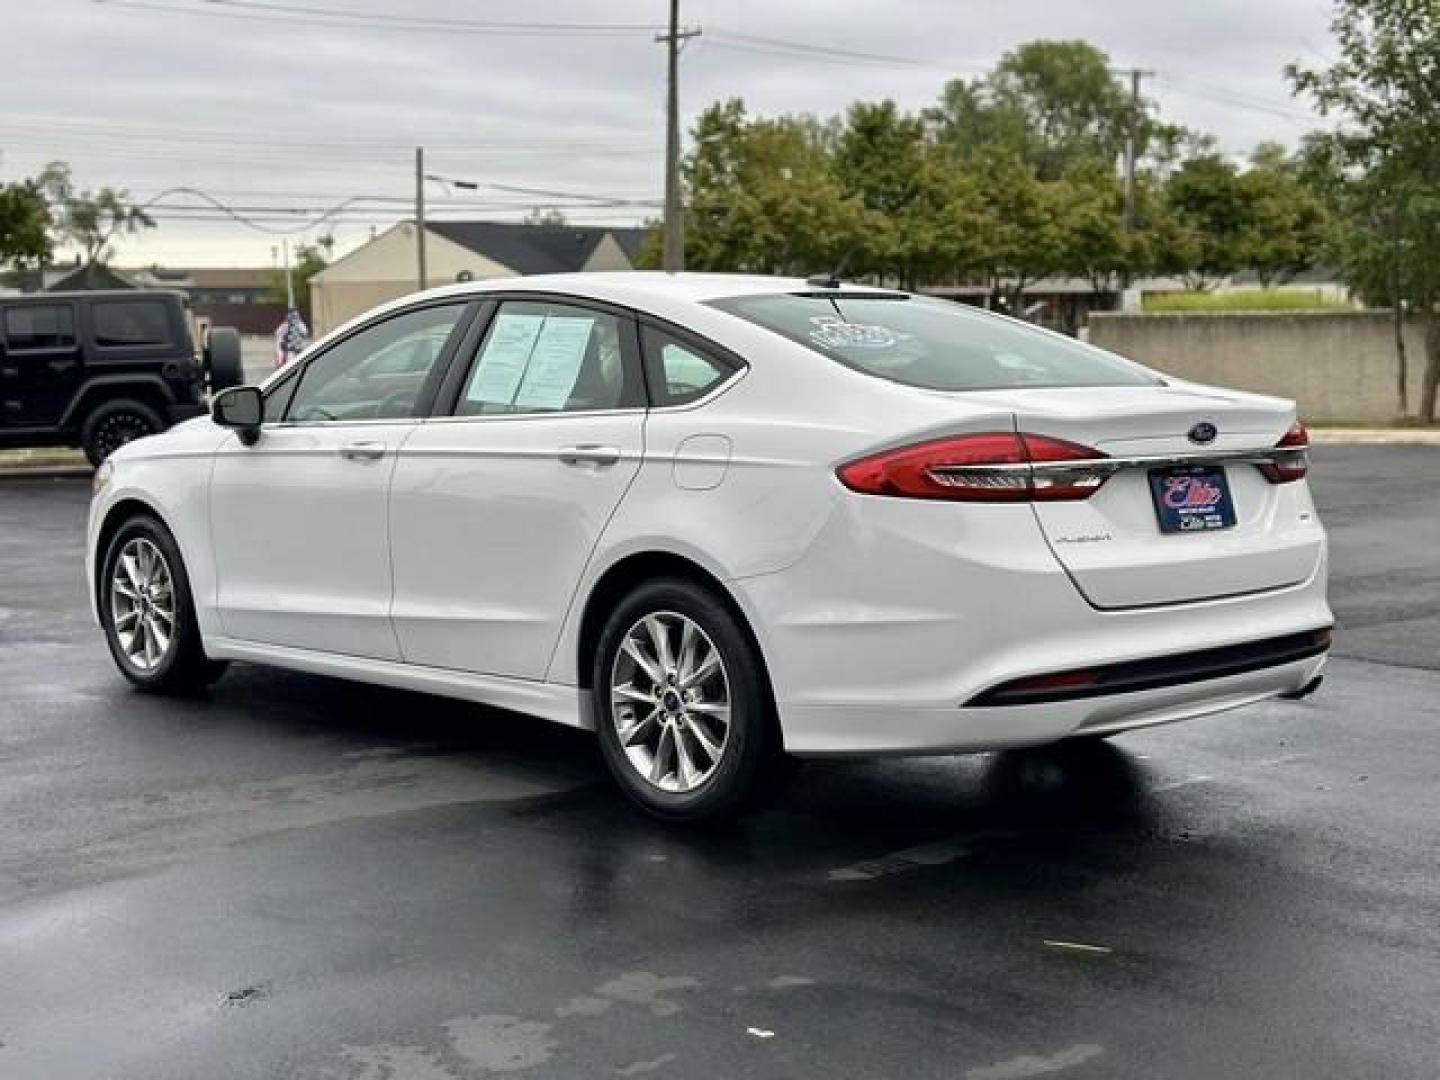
[[881, 638], [874, 730]]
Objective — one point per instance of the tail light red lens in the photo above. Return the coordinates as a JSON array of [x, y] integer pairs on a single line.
[[991, 466], [1295, 463]]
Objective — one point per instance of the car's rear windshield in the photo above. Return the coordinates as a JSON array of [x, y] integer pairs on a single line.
[[930, 343]]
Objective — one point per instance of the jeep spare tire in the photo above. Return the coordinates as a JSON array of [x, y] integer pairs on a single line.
[[114, 424], [223, 358]]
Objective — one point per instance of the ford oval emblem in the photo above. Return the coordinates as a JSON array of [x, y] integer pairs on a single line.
[[1203, 433]]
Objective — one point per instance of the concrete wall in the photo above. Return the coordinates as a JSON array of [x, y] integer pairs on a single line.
[[1339, 366]]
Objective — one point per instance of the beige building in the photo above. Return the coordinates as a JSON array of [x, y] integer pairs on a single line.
[[386, 267]]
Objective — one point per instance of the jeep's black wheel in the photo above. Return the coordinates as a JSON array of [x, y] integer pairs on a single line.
[[114, 424], [683, 706], [147, 611]]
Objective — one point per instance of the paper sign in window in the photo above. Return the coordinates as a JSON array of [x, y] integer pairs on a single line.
[[507, 353], [555, 363]]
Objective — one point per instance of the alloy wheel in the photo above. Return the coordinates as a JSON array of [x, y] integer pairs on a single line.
[[142, 604], [670, 702]]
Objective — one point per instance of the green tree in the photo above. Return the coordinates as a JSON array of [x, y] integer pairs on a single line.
[[1207, 222], [89, 220], [763, 197], [308, 260], [1055, 104], [1094, 243], [1026, 214], [926, 216], [1287, 226], [1053, 113], [1366, 241], [24, 225], [1385, 92]]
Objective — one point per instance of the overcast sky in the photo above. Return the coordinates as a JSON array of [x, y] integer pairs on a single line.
[[268, 109]]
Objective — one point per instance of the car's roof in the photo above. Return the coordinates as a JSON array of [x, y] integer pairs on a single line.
[[667, 295], [641, 285]]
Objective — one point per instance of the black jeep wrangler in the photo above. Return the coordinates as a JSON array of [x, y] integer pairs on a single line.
[[98, 369]]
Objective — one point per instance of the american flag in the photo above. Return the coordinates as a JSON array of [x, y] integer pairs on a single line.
[[290, 337]]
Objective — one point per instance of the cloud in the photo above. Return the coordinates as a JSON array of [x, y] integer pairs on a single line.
[[264, 112]]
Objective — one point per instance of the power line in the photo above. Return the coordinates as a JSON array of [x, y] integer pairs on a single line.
[[1191, 87], [354, 209], [501, 26], [547, 193], [720, 37], [303, 14], [47, 125], [717, 36], [226, 209]]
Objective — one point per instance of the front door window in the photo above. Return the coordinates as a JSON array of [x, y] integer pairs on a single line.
[[379, 373]]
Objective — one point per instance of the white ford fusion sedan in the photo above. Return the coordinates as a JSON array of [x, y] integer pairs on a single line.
[[718, 519]]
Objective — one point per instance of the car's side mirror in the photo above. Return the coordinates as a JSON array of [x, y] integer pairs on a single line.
[[241, 408]]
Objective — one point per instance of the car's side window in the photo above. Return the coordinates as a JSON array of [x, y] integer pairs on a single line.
[[117, 323], [351, 380], [677, 371], [30, 327], [544, 357]]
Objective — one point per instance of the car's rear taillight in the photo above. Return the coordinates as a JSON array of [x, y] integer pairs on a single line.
[[991, 466], [1295, 462]]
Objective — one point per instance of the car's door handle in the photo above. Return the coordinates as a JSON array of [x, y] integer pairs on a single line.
[[590, 454], [362, 451]]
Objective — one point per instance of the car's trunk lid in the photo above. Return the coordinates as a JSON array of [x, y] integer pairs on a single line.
[[1111, 544]]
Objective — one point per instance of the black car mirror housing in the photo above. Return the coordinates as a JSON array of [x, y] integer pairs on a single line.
[[241, 408]]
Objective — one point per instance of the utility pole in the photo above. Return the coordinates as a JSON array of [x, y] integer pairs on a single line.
[[420, 214], [1131, 143], [673, 259]]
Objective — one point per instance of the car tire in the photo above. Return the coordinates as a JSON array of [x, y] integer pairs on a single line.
[[147, 611], [723, 750], [114, 424]]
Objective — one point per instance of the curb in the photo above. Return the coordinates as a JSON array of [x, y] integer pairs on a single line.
[[1375, 437], [47, 472]]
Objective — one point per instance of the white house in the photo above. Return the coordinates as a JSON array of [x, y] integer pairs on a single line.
[[386, 267]]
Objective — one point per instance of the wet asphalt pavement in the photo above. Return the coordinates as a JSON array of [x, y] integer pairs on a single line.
[[299, 877]]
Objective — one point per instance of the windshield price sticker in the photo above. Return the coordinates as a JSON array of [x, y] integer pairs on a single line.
[[833, 333]]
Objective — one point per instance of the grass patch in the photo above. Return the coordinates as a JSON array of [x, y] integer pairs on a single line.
[[1246, 300]]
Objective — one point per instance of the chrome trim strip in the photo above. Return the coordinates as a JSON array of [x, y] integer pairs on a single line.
[[557, 414], [1110, 465], [722, 387]]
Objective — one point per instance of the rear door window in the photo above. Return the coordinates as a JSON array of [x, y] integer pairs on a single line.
[[678, 372], [933, 344], [122, 323], [28, 327], [544, 357]]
